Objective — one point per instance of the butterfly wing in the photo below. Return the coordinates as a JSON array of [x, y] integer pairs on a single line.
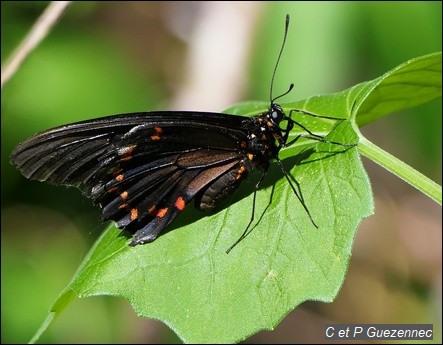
[[141, 168]]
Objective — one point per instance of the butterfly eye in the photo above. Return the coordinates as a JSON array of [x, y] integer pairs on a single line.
[[276, 114]]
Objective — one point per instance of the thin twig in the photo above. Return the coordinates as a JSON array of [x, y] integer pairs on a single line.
[[37, 33]]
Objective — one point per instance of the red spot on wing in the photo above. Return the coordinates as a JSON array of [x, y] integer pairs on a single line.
[[112, 190], [152, 210], [124, 159], [157, 133], [180, 203]]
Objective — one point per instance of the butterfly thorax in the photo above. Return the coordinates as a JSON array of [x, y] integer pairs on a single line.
[[265, 137], [264, 140]]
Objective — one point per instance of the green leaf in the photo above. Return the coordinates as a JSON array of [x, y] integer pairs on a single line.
[[414, 82], [186, 279]]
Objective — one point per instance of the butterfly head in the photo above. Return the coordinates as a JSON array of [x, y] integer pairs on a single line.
[[276, 114]]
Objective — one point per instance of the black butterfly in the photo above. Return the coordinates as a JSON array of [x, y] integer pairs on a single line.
[[144, 168]]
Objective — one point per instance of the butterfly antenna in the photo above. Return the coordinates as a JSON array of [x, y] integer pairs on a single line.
[[278, 60]]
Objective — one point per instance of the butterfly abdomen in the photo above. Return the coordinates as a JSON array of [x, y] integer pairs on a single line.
[[225, 184]]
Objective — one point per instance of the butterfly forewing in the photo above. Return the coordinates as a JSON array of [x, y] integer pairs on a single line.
[[142, 168]]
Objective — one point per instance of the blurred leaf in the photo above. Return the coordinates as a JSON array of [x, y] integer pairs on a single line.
[[98, 80]]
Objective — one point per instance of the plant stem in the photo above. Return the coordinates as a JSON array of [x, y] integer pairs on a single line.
[[399, 168], [37, 33]]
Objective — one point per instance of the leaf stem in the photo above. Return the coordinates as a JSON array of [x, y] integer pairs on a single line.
[[401, 169]]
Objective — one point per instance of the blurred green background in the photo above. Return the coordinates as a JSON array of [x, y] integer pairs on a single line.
[[107, 58]]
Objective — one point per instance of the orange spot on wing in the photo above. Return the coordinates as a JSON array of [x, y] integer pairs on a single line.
[[158, 133], [240, 172], [134, 214], [180, 203], [122, 206], [112, 190], [152, 209], [162, 212], [124, 195], [119, 177]]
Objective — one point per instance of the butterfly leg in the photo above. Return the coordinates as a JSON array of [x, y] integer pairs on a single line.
[[246, 232]]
